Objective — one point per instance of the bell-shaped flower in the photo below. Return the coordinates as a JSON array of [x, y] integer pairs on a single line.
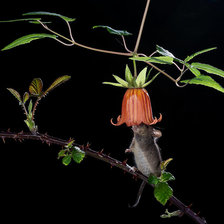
[[136, 109], [136, 105]]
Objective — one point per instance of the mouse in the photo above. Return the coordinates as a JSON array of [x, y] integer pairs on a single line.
[[146, 152]]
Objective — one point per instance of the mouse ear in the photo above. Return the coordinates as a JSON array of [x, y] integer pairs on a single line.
[[156, 133]]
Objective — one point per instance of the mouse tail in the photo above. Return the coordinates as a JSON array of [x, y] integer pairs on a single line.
[[141, 188]]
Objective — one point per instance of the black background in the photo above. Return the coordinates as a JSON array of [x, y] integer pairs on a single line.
[[35, 185]]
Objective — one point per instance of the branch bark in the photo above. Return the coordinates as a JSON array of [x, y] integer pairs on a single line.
[[45, 138]]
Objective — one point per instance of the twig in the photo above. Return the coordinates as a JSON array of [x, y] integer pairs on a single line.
[[45, 138], [73, 42], [125, 45], [161, 71]]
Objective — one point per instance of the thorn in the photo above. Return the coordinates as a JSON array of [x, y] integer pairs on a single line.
[[20, 133], [198, 213], [82, 147], [108, 154], [170, 203], [134, 176], [204, 220], [100, 152], [186, 208], [70, 139], [20, 140], [15, 136], [3, 139], [181, 214], [48, 143], [125, 162], [42, 140], [87, 145], [8, 130]]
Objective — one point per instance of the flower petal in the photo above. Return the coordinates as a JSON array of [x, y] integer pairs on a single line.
[[136, 109]]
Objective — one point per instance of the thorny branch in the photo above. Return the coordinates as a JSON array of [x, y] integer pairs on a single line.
[[45, 138]]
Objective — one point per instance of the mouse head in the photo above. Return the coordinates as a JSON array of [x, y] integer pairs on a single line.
[[146, 130]]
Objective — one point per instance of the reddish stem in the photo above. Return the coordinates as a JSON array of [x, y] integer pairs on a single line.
[[45, 138]]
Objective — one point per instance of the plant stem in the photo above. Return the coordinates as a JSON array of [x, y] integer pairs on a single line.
[[135, 69], [73, 42], [44, 138], [35, 107], [128, 54], [141, 27], [104, 51], [161, 71]]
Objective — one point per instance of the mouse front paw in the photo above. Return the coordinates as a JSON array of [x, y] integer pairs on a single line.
[[133, 169], [128, 150]]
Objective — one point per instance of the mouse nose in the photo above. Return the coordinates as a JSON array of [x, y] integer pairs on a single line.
[[134, 128]]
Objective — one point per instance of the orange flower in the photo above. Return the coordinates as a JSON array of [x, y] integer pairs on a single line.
[[136, 109]]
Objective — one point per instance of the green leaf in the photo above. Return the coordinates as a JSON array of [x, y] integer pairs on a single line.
[[31, 125], [30, 107], [113, 31], [128, 75], [208, 68], [113, 84], [70, 144], [39, 13], [36, 87], [205, 80], [149, 72], [195, 71], [20, 20], [15, 94], [37, 22], [153, 179], [170, 214], [62, 153], [77, 155], [159, 60], [27, 39], [198, 53], [57, 82], [164, 52], [165, 163], [26, 96], [167, 176], [151, 80], [121, 81], [66, 160], [141, 77], [163, 192]]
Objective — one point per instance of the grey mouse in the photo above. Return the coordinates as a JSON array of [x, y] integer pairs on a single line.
[[146, 152]]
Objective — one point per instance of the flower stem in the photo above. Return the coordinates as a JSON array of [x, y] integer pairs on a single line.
[[141, 27], [135, 69]]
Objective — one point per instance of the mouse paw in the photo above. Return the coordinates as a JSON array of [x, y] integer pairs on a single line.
[[133, 168], [128, 150]]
